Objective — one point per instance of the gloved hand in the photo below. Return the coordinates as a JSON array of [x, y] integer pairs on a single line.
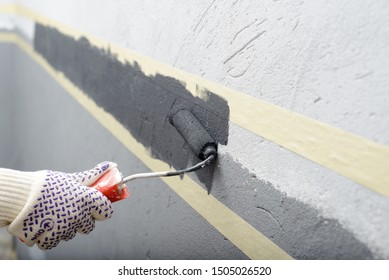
[[60, 205]]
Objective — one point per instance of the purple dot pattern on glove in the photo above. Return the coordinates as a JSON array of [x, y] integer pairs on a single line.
[[85, 177], [64, 207]]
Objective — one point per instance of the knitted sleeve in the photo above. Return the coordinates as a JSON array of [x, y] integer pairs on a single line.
[[15, 188]]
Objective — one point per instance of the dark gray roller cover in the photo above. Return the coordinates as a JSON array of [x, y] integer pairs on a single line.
[[194, 133]]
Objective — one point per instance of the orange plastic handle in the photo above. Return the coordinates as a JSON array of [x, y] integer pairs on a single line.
[[109, 183]]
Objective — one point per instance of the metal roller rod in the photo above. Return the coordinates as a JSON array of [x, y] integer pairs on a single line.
[[198, 166]]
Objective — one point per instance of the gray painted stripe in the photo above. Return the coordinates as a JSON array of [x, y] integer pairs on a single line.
[[140, 103], [291, 224]]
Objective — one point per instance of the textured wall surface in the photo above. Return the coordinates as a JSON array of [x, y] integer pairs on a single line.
[[326, 60]]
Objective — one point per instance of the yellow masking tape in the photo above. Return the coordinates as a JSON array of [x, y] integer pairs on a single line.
[[8, 37], [7, 8], [350, 155], [245, 237]]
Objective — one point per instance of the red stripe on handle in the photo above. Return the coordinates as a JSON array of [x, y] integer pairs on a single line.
[[108, 184]]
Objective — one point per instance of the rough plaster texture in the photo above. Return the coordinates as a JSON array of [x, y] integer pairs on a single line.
[[323, 59]]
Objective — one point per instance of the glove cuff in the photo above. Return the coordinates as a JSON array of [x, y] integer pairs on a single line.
[[31, 183]]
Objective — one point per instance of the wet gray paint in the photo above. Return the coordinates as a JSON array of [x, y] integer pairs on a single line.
[[141, 103], [294, 226]]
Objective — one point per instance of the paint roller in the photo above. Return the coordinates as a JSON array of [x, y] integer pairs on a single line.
[[194, 134], [112, 184]]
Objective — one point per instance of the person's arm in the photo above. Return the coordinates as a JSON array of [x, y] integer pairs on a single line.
[[45, 207]]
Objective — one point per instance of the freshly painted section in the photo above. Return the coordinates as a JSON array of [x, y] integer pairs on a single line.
[[296, 227], [140, 103], [352, 156]]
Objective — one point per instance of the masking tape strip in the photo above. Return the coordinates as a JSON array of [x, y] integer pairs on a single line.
[[7, 8], [244, 236], [350, 155]]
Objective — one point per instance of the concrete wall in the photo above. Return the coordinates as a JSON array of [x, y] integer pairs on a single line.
[[326, 60]]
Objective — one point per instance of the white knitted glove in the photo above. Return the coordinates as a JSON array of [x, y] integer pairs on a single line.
[[58, 206]]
